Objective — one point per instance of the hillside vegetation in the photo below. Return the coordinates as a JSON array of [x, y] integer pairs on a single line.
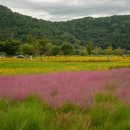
[[102, 31]]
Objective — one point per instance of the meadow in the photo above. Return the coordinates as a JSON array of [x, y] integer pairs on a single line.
[[65, 93], [12, 66]]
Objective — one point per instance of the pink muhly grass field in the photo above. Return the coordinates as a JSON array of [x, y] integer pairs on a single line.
[[75, 87]]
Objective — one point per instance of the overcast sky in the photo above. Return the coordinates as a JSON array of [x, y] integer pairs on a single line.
[[59, 10]]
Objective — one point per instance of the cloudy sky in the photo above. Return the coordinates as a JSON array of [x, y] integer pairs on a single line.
[[59, 10]]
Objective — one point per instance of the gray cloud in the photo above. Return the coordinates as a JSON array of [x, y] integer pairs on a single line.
[[57, 10]]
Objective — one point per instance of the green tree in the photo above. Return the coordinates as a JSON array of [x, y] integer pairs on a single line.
[[30, 39], [77, 49], [2, 44], [119, 51], [89, 48], [83, 51], [11, 47], [26, 49], [55, 50], [44, 47], [67, 49]]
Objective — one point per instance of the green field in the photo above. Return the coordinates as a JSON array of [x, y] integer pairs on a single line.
[[12, 68]]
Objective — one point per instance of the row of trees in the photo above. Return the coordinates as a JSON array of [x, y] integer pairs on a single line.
[[108, 51], [39, 47], [45, 47]]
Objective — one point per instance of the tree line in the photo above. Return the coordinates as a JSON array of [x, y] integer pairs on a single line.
[[44, 47]]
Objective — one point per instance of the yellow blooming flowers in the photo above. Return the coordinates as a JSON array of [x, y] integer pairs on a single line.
[[12, 66], [70, 59]]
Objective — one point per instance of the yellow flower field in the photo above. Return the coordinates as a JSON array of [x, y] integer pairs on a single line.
[[12, 66], [70, 59]]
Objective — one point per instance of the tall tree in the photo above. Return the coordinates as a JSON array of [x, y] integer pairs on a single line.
[[89, 48], [30, 39], [44, 47], [67, 48]]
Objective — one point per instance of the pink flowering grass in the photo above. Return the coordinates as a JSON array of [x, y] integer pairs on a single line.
[[75, 87]]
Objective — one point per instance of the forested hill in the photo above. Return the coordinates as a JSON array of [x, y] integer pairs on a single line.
[[102, 31]]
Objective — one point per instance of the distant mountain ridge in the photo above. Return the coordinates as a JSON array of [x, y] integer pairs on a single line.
[[114, 30]]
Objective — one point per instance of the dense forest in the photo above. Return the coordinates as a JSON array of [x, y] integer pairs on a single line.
[[102, 32]]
